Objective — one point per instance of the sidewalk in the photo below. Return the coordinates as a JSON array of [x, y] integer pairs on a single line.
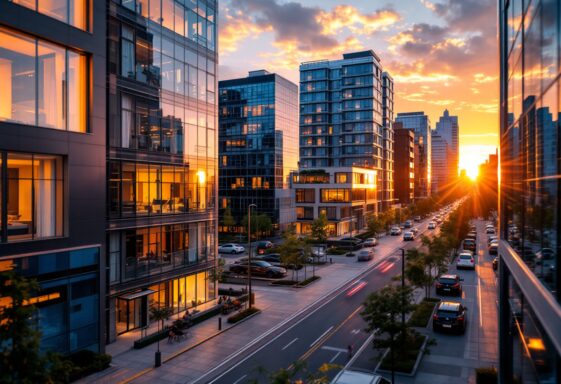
[[278, 305]]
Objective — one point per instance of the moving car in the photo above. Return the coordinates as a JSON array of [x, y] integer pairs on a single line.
[[495, 263], [492, 238], [449, 284], [417, 218], [370, 242], [408, 224], [493, 248], [231, 248], [365, 255], [395, 231], [415, 231], [258, 268], [472, 235], [465, 260], [408, 236], [449, 315], [490, 231], [469, 244], [432, 225]]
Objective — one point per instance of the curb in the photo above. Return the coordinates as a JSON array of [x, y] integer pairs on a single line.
[[178, 353]]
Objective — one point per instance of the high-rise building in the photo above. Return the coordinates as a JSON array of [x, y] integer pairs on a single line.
[[52, 163], [404, 164], [258, 147], [441, 156], [388, 162], [341, 116], [447, 127], [420, 123], [530, 193], [161, 155]]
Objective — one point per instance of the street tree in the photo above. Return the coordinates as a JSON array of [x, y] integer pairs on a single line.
[[260, 224], [20, 356], [382, 313], [227, 219], [291, 249], [319, 229]]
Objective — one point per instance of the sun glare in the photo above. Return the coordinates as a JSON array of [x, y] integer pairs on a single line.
[[471, 156], [472, 171]]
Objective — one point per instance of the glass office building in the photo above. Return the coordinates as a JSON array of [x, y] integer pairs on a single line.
[[530, 230], [258, 147], [342, 119], [161, 159], [52, 163], [420, 123]]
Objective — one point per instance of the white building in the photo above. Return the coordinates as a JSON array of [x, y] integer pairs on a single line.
[[346, 195]]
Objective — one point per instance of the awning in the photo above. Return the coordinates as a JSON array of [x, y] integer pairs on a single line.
[[136, 295]]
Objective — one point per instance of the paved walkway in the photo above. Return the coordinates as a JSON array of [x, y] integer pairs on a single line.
[[277, 304]]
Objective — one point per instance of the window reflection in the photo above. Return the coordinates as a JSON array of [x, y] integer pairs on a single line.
[[73, 12]]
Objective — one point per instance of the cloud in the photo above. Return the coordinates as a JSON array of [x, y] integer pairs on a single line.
[[234, 29], [349, 17], [467, 15], [481, 78]]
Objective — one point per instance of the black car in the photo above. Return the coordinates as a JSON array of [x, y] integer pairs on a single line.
[[275, 260], [449, 284], [262, 246], [469, 244], [258, 268], [449, 315]]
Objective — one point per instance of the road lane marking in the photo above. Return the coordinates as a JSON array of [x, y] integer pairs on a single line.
[[334, 349], [335, 357], [355, 331], [240, 379], [289, 344], [322, 335]]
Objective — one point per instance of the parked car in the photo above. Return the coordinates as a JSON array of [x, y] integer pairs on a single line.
[[449, 315], [469, 244], [365, 255], [449, 284], [370, 242], [490, 231], [465, 260], [262, 246], [417, 218], [432, 225], [231, 248], [395, 231], [408, 224], [347, 376], [408, 236], [258, 268], [493, 248]]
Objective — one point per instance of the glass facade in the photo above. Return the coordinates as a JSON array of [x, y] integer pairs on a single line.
[[257, 144], [73, 12], [68, 300], [530, 191], [43, 84], [420, 124], [162, 169], [31, 196]]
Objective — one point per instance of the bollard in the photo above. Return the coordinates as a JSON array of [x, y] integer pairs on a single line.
[[219, 323]]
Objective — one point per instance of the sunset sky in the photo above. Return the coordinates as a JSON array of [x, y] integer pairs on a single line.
[[441, 53]]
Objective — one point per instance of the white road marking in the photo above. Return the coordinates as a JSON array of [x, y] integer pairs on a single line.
[[334, 349], [355, 331], [319, 338], [334, 357], [240, 379], [289, 344]]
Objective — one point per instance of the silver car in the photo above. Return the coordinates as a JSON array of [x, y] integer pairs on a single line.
[[370, 242], [365, 255]]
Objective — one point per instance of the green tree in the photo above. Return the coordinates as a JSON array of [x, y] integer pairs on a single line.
[[227, 218], [375, 224], [382, 314], [319, 229], [291, 249], [20, 356], [260, 224], [160, 314], [217, 274], [416, 270]]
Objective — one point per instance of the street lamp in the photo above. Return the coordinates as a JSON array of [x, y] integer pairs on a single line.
[[249, 252]]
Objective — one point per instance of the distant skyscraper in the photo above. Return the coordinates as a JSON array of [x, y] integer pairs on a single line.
[[420, 123], [341, 121], [448, 128], [258, 145], [440, 159], [404, 164]]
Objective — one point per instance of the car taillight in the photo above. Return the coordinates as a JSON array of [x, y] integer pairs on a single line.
[[472, 260], [435, 317], [460, 318]]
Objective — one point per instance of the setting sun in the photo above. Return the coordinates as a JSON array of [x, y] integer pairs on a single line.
[[471, 156]]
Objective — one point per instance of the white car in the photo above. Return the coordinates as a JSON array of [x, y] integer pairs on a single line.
[[432, 225], [465, 260], [370, 242], [408, 236], [231, 248], [395, 231], [490, 231]]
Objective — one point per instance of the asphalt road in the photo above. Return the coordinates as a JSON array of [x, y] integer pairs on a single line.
[[322, 334]]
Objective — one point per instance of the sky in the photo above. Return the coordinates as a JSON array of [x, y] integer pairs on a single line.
[[442, 54]]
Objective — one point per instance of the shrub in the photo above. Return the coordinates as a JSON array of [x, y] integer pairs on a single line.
[[486, 375], [242, 315], [406, 357], [309, 280], [337, 251], [422, 313], [86, 362]]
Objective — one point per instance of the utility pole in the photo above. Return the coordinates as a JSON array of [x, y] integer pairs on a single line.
[[249, 252]]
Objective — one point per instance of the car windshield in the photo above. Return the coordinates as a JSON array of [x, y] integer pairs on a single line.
[[447, 280], [261, 263], [465, 257]]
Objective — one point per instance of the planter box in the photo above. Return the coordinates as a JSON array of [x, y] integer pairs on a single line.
[[415, 366]]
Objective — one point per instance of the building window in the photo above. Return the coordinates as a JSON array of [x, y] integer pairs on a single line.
[[73, 12], [329, 212], [305, 196], [305, 213], [340, 195], [33, 197], [342, 178], [42, 84]]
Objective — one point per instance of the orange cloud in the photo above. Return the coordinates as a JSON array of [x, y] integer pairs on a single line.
[[346, 16], [235, 29]]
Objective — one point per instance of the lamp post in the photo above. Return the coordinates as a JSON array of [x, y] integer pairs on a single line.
[[249, 252]]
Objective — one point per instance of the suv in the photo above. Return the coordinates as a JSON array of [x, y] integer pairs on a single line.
[[258, 268], [395, 231], [408, 236], [449, 284], [449, 315]]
